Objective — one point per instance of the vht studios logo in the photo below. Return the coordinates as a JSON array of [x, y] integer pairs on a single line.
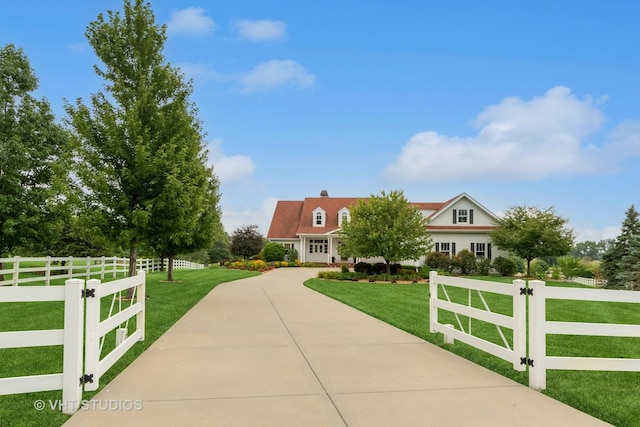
[[89, 405]]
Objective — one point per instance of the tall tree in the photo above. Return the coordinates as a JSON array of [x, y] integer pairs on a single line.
[[33, 149], [386, 226], [531, 232], [612, 260], [127, 133], [246, 241]]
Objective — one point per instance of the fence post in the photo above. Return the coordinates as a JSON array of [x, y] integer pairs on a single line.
[[433, 295], [92, 339], [72, 359], [537, 335], [47, 272], [103, 261], [141, 298], [70, 267], [16, 270], [520, 328]]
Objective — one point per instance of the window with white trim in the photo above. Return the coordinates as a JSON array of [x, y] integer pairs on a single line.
[[481, 250], [343, 216], [319, 217], [318, 246], [463, 215], [449, 249]]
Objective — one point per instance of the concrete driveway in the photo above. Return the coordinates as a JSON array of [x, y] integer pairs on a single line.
[[266, 351]]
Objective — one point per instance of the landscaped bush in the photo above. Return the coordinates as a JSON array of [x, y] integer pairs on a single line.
[[344, 268], [363, 267], [379, 268], [505, 266], [438, 261], [570, 266], [483, 265], [539, 269], [465, 261], [273, 251]]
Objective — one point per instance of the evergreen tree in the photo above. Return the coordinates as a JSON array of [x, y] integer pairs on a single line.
[[612, 265], [628, 274]]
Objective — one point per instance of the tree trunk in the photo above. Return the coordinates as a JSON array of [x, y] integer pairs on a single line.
[[389, 268], [170, 269], [528, 267]]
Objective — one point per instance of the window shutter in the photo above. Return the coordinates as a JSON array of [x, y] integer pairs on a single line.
[[489, 250], [470, 216], [453, 248], [437, 247], [455, 216], [473, 248]]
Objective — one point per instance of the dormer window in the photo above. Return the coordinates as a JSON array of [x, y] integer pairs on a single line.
[[464, 216], [319, 217], [344, 216]]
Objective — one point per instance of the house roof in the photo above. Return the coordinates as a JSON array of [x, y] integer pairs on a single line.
[[294, 218]]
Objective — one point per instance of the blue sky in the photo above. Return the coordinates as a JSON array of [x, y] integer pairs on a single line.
[[527, 102]]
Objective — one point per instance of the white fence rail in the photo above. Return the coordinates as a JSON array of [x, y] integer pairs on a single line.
[[76, 352], [587, 281], [513, 353], [70, 337], [538, 327], [20, 270]]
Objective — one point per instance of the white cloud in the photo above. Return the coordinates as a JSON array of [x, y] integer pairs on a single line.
[[519, 139], [233, 218], [229, 169], [275, 73], [190, 21], [262, 30]]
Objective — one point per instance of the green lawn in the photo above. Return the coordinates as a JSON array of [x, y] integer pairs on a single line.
[[611, 396], [167, 303]]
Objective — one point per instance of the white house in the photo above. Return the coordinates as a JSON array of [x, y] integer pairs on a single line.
[[312, 226]]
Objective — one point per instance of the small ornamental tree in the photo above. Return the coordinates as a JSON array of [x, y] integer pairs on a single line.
[[386, 226], [246, 241], [530, 232]]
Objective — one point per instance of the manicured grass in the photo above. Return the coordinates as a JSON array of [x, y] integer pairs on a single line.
[[611, 396], [167, 303]]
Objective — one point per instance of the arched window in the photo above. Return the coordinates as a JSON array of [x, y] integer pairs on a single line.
[[319, 217], [343, 215]]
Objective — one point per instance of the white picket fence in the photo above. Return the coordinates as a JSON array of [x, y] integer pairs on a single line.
[[588, 281], [76, 352], [20, 270], [538, 327]]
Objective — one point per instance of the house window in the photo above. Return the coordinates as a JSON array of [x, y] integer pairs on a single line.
[[481, 250], [288, 247], [319, 216], [343, 216], [449, 249], [463, 215], [318, 246]]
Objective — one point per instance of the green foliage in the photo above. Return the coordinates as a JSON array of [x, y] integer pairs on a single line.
[[33, 152], [465, 262], [538, 269], [505, 266], [612, 266], [530, 232], [363, 267], [246, 241], [219, 250], [387, 226], [273, 251], [591, 249], [438, 261], [629, 267], [483, 265], [292, 255], [570, 266]]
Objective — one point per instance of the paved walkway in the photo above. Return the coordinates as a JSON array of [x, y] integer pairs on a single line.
[[266, 351]]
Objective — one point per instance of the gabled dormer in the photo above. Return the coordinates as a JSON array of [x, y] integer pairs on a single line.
[[344, 215], [319, 217]]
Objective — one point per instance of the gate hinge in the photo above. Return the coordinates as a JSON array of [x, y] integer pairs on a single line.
[[88, 293], [526, 361], [86, 378], [526, 291]]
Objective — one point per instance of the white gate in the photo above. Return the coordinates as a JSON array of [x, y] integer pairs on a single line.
[[515, 353], [75, 295]]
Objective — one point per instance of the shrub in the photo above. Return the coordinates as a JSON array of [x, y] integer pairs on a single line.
[[363, 267], [539, 269], [438, 261], [482, 266], [379, 268], [344, 268], [273, 251], [465, 260], [505, 266], [292, 255], [570, 266]]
